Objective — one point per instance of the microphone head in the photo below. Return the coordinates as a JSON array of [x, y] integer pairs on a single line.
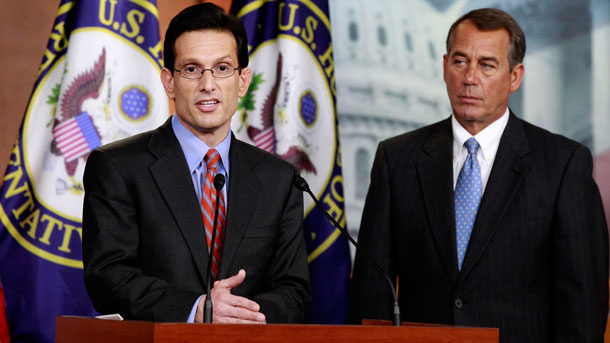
[[299, 182], [219, 181]]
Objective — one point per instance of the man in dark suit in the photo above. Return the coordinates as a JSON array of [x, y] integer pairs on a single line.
[[147, 205], [486, 219]]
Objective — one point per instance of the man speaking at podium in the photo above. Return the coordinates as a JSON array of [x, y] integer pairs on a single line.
[[486, 219], [150, 200]]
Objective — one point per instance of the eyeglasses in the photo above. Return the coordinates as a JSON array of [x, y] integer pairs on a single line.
[[220, 71]]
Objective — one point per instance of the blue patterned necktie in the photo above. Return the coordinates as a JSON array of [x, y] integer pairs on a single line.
[[468, 191]]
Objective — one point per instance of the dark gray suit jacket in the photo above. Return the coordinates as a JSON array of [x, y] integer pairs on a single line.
[[144, 251], [537, 261]]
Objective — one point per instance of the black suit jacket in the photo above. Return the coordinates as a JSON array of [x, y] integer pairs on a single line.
[[536, 265], [144, 251]]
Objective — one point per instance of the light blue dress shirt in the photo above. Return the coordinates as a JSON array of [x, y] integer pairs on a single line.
[[194, 150]]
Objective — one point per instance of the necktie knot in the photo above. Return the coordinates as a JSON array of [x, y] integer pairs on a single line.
[[211, 158], [472, 145]]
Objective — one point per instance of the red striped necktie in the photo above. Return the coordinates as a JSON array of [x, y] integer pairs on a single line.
[[208, 205]]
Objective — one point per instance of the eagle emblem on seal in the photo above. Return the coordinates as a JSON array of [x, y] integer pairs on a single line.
[[74, 133], [264, 136]]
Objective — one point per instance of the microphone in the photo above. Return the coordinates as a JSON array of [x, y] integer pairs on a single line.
[[300, 183], [219, 181]]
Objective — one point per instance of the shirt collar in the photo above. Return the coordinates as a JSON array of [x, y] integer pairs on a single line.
[[195, 149], [488, 138]]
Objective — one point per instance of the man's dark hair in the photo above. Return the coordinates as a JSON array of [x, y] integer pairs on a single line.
[[487, 19], [205, 16]]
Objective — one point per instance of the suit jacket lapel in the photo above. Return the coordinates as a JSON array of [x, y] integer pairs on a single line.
[[243, 191], [507, 173], [435, 172], [172, 176]]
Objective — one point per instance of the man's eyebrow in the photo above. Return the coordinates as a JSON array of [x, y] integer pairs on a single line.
[[222, 59], [489, 59], [225, 57], [459, 53], [189, 61]]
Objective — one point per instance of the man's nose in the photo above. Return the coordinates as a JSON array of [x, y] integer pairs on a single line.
[[471, 74], [207, 82]]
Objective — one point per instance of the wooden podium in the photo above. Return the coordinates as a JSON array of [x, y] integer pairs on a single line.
[[82, 329]]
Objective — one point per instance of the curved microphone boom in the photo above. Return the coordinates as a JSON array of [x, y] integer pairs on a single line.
[[219, 182], [300, 183]]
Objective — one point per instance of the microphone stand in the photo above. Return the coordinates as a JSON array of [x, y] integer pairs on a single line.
[[219, 181], [300, 183]]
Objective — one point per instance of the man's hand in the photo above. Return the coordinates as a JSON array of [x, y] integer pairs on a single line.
[[229, 308]]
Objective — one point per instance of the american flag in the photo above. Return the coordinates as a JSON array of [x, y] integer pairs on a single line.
[[266, 140], [76, 137]]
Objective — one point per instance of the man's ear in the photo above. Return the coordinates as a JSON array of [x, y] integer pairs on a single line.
[[445, 59], [516, 76], [244, 81], [167, 79]]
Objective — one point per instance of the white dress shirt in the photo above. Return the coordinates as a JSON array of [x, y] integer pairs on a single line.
[[489, 140]]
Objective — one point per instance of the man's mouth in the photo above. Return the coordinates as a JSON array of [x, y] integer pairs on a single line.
[[207, 102], [208, 105], [468, 98]]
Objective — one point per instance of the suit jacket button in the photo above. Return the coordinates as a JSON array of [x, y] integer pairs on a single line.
[[458, 303]]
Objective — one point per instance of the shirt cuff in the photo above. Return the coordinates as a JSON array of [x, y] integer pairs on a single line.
[[191, 318]]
